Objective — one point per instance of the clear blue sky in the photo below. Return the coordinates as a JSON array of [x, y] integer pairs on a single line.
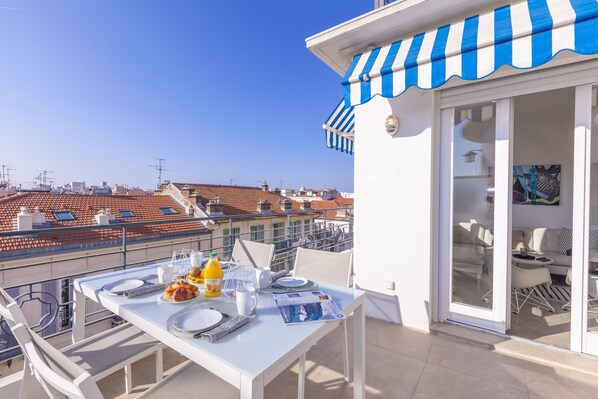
[[93, 90]]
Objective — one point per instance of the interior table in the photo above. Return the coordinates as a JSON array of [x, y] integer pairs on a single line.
[[532, 261], [248, 358]]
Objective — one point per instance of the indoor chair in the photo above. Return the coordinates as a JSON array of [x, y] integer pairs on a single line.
[[531, 279]]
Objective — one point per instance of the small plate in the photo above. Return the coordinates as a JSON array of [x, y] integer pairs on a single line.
[[196, 320], [118, 287], [164, 300], [292, 282]]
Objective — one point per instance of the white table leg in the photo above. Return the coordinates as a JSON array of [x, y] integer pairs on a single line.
[[359, 355], [78, 332], [301, 380], [252, 389]]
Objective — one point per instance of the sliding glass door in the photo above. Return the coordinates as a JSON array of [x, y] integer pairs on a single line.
[[475, 156]]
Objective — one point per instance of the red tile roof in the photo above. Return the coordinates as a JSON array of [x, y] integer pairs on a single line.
[[239, 200], [332, 205], [84, 208]]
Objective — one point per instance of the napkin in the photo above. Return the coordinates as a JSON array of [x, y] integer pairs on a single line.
[[279, 274], [225, 328], [144, 289]]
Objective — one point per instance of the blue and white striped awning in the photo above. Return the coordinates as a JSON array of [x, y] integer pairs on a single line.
[[339, 128], [523, 35]]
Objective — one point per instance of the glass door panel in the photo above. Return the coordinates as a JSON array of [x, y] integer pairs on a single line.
[[474, 136]]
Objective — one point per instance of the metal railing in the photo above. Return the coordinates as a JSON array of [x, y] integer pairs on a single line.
[[51, 299]]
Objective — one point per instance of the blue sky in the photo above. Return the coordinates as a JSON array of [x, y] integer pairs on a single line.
[[94, 90]]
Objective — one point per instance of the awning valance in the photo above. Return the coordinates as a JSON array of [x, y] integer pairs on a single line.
[[523, 35], [339, 128]]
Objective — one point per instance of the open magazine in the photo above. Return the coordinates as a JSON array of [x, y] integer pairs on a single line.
[[307, 307]]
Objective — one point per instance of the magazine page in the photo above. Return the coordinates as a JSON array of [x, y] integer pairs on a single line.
[[305, 307]]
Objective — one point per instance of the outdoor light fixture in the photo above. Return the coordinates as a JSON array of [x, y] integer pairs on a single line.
[[392, 125]]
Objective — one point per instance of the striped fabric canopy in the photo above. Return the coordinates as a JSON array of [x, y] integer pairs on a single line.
[[339, 128], [523, 35]]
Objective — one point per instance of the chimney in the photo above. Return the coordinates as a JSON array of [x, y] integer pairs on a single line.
[[24, 219], [264, 185], [215, 206], [286, 205], [263, 206], [101, 218], [186, 191], [38, 217], [306, 205], [195, 199], [110, 215]]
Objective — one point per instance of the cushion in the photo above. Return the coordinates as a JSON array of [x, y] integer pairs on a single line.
[[558, 258], [467, 253], [546, 239], [518, 239], [565, 240]]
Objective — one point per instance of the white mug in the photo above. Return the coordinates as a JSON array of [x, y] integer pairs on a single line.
[[246, 300], [263, 277], [165, 274]]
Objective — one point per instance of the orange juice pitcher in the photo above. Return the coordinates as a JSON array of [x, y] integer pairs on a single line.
[[212, 275]]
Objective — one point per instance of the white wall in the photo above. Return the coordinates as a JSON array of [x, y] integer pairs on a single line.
[[544, 135], [393, 203]]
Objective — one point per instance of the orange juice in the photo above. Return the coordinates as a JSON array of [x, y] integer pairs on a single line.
[[212, 275]]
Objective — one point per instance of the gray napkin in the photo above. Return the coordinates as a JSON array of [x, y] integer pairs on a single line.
[[279, 274], [225, 328], [144, 289]]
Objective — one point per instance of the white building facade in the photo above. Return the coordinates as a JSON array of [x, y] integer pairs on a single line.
[[481, 96]]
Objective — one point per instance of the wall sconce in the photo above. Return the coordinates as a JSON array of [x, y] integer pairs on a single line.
[[391, 125], [470, 155]]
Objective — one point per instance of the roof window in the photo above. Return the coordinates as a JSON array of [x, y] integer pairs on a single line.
[[126, 214], [63, 216], [168, 211]]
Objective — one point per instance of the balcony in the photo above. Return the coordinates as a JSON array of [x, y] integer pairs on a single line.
[[400, 362]]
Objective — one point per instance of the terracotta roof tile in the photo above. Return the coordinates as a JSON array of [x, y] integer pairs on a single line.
[[238, 200], [84, 208]]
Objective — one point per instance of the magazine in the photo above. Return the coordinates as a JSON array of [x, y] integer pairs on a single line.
[[307, 307]]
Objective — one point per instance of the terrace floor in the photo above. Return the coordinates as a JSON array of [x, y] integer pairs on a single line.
[[404, 363]]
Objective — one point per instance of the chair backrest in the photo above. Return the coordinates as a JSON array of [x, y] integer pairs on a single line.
[[10, 310], [528, 278], [328, 267], [593, 286], [252, 253], [57, 374]]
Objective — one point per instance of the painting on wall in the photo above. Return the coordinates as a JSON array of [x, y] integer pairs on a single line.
[[537, 184]]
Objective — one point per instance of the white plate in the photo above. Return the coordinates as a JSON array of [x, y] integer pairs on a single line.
[[118, 287], [195, 320], [164, 300], [292, 282]]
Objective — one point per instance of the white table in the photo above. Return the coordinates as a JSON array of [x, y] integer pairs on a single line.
[[532, 262], [248, 358]]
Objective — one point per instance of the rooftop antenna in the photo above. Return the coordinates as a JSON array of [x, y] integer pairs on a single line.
[[43, 178], [160, 168], [231, 181]]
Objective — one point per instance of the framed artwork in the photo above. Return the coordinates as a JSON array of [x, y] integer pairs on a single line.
[[537, 184]]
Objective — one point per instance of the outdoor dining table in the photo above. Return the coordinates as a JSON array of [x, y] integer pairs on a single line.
[[248, 358]]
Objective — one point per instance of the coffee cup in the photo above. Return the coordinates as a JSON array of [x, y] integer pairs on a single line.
[[263, 277], [165, 274], [246, 300]]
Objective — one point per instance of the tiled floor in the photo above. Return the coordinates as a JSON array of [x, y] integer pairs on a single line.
[[403, 363]]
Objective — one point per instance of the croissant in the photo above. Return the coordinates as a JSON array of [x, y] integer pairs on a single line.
[[183, 294]]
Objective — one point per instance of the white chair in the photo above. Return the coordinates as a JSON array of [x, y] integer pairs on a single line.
[[567, 306], [99, 355], [252, 253], [327, 267], [530, 279], [62, 378], [593, 295]]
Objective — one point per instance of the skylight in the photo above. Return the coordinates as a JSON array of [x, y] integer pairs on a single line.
[[126, 214], [63, 216], [168, 211]]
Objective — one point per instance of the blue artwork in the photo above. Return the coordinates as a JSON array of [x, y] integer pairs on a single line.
[[537, 184]]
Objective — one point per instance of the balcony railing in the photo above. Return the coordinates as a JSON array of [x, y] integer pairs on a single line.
[[50, 300]]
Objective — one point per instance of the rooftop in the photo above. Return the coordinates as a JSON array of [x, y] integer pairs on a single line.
[[84, 208]]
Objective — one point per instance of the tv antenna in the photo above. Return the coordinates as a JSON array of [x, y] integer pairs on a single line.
[[43, 181], [160, 168], [5, 176]]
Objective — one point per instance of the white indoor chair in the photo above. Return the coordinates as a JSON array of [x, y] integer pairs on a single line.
[[567, 306], [531, 279], [100, 355], [326, 267], [62, 378], [593, 295], [252, 253]]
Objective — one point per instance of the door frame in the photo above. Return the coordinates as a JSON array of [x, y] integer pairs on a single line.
[[582, 76]]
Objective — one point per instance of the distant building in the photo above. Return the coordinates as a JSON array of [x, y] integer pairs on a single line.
[[308, 194], [123, 189], [281, 221]]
